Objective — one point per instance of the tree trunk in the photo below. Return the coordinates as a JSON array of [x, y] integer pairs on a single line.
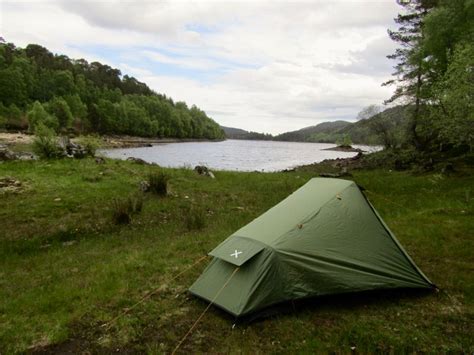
[[416, 115]]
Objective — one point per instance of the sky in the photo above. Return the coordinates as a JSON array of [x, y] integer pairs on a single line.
[[265, 66]]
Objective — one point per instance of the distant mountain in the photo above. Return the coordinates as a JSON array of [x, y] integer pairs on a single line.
[[367, 131], [392, 120], [231, 132], [237, 133], [322, 130]]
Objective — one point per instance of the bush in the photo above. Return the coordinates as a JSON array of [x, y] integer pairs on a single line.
[[195, 218], [158, 183], [344, 141], [45, 144], [90, 144], [38, 115], [124, 209]]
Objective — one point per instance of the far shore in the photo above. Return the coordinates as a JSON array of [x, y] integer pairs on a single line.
[[108, 141], [118, 141]]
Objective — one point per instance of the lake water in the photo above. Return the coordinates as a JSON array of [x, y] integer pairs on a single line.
[[231, 154]]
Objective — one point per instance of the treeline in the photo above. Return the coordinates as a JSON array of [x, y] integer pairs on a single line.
[[434, 74], [69, 95]]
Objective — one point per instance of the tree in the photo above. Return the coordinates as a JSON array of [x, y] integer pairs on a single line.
[[38, 115], [455, 97], [59, 108], [410, 70], [368, 112]]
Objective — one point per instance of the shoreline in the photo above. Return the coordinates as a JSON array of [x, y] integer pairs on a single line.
[[110, 142], [107, 141]]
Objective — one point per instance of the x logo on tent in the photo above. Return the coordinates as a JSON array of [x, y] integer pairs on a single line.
[[236, 253]]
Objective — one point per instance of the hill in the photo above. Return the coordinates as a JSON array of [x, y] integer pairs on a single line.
[[323, 131], [75, 96], [237, 133], [381, 128]]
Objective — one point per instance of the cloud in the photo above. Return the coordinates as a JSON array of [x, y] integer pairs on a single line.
[[258, 65]]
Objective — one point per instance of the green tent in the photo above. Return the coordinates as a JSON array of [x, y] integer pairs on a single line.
[[325, 238]]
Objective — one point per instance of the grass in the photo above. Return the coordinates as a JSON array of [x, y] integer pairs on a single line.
[[66, 268]]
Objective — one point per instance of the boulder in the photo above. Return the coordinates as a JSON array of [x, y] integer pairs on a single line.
[[6, 154], [100, 160], [144, 186], [75, 150], [204, 170], [137, 160]]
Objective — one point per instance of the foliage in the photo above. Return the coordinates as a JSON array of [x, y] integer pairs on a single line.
[[38, 116], [344, 141], [90, 97], [45, 143], [434, 74], [158, 183], [90, 144], [59, 108]]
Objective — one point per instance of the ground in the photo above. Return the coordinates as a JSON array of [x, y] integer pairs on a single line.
[[66, 269]]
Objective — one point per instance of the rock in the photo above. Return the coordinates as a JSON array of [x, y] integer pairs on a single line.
[[100, 160], [448, 169], [75, 150], [201, 169], [144, 186], [137, 160], [204, 170], [6, 154], [25, 156], [342, 173], [10, 185]]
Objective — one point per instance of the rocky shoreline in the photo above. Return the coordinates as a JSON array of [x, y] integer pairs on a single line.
[[136, 142], [107, 141], [345, 148]]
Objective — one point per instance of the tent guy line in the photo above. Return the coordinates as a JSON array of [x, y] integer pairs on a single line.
[[108, 324], [205, 310]]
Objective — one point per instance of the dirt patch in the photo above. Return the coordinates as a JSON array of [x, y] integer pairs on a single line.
[[11, 185], [15, 138]]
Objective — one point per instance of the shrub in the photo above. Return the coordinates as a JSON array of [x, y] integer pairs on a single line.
[[344, 141], [90, 144], [38, 115], [123, 209], [195, 218], [158, 183], [45, 144]]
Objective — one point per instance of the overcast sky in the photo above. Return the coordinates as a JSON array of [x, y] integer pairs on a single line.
[[269, 66]]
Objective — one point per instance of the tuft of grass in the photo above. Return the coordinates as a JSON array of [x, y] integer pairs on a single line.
[[194, 218], [124, 209], [158, 183]]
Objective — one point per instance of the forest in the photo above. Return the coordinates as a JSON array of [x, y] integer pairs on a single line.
[[39, 88]]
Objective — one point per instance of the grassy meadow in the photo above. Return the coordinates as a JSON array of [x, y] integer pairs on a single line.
[[66, 268]]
